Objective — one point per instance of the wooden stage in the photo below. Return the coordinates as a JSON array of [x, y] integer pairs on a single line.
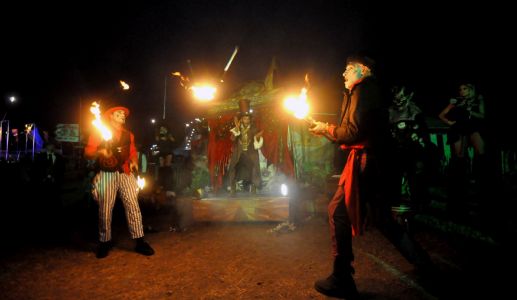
[[241, 208]]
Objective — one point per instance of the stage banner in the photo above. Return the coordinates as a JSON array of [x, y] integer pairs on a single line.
[[67, 133]]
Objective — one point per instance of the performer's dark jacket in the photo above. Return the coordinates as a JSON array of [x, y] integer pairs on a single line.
[[363, 130], [363, 119]]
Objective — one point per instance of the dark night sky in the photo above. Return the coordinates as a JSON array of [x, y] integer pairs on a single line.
[[55, 56]]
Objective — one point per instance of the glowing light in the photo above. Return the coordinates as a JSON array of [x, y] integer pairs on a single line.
[[231, 59], [204, 92], [12, 99], [298, 105], [105, 132], [140, 181], [124, 85], [284, 190], [28, 128], [153, 121]]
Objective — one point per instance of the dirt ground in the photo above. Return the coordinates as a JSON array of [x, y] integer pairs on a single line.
[[227, 261], [208, 261]]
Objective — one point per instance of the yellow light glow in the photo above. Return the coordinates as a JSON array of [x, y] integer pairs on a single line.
[[284, 190], [204, 92], [124, 85], [298, 105], [105, 132], [28, 128], [140, 181]]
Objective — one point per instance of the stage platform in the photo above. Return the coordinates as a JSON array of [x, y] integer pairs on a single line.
[[242, 208]]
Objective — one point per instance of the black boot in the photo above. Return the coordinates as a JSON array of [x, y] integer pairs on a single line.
[[103, 249], [143, 247], [340, 284]]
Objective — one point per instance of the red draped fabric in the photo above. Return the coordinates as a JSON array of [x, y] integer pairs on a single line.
[[219, 148], [275, 147]]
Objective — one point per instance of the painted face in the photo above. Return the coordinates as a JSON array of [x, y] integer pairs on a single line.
[[351, 75], [118, 116], [246, 120], [401, 98], [466, 91]]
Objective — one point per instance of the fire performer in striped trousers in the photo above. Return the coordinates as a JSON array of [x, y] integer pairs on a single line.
[[116, 159]]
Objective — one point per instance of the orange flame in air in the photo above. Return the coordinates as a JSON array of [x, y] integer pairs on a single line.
[[124, 85]]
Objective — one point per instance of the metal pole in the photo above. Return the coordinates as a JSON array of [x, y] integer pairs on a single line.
[[26, 139], [80, 112], [7, 142], [33, 140], [164, 95], [1, 133]]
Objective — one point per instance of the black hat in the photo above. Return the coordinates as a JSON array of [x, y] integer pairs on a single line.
[[244, 108], [361, 59]]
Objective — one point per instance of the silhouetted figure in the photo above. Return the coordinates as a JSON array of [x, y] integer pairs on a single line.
[[362, 131], [465, 115], [412, 153]]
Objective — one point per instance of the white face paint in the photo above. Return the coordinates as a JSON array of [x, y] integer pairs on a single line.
[[351, 75], [118, 116]]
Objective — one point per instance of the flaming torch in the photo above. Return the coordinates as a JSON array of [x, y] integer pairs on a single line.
[[299, 107], [97, 122]]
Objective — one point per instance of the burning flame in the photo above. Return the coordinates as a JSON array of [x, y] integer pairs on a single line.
[[124, 85], [105, 132], [140, 181], [184, 81], [298, 105], [204, 92], [201, 92]]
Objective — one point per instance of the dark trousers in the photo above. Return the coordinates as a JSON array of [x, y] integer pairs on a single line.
[[373, 189], [247, 166], [165, 178]]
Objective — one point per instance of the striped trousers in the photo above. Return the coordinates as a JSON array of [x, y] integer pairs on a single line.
[[105, 188]]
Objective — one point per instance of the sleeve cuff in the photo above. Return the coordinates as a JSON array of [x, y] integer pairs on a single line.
[[258, 144], [235, 131], [331, 129]]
